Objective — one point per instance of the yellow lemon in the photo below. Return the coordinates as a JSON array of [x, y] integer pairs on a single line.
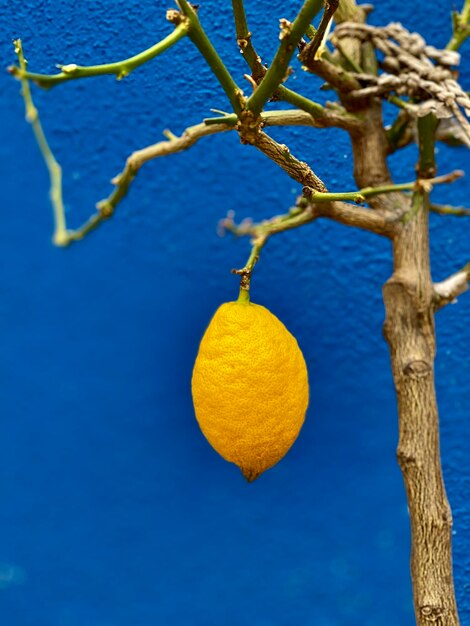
[[250, 387]]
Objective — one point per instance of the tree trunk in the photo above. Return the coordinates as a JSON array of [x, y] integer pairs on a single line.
[[409, 331]]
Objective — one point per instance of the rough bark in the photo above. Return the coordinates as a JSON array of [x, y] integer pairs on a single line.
[[409, 330]]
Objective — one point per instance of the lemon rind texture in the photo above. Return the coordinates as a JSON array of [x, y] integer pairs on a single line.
[[250, 387]]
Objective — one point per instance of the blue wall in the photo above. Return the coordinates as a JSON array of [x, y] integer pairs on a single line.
[[114, 509]]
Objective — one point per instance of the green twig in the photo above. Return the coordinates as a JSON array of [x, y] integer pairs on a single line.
[[120, 68], [426, 168], [260, 233], [61, 235], [247, 271], [401, 104], [301, 102], [360, 196], [398, 134], [258, 71], [105, 208], [427, 127], [203, 44], [445, 209], [244, 41], [420, 200], [291, 34], [348, 11], [460, 27]]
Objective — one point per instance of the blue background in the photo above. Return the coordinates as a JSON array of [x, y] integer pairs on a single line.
[[114, 509]]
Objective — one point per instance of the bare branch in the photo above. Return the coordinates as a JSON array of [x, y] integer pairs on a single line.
[[202, 42], [332, 116], [360, 196], [445, 209], [290, 36], [280, 154], [461, 27], [305, 212], [172, 145], [244, 41], [373, 220], [105, 208], [309, 52], [334, 75], [403, 131], [120, 69], [332, 205], [341, 119], [449, 289]]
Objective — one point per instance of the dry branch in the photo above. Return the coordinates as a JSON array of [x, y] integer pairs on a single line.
[[448, 290]]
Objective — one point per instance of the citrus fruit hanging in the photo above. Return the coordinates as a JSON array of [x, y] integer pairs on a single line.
[[249, 386]]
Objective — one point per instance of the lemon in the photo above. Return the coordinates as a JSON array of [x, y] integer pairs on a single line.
[[249, 386]]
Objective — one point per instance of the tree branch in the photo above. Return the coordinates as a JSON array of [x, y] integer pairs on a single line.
[[105, 208], [303, 213], [427, 127], [244, 41], [360, 196], [54, 169], [280, 154], [172, 145], [342, 119], [446, 291], [120, 68], [330, 117], [410, 332], [403, 131], [309, 52], [334, 75], [317, 194], [372, 220], [445, 209], [290, 36], [204, 45], [461, 27]]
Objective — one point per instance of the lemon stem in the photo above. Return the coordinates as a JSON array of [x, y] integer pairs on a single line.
[[243, 296], [246, 272]]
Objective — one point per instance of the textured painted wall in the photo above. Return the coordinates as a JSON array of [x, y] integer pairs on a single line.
[[114, 509]]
